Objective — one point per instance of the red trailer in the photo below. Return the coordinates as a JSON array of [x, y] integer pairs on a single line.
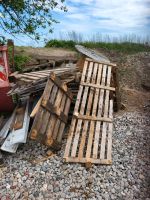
[[6, 103]]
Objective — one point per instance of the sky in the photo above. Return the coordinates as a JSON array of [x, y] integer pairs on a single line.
[[98, 17]]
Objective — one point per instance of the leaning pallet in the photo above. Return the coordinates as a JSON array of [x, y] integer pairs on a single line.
[[90, 136], [50, 120]]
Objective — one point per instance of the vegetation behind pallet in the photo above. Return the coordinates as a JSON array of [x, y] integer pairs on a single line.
[[124, 47]]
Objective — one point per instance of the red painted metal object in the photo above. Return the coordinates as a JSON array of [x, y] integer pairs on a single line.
[[6, 103]]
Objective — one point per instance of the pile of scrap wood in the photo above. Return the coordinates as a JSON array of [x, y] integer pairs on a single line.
[[25, 84], [47, 97]]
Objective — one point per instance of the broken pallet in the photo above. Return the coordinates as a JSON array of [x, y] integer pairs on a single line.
[[90, 135], [51, 117]]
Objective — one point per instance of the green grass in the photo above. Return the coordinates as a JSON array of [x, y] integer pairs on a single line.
[[124, 47]]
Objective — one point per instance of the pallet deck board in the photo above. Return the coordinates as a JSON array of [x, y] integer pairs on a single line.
[[90, 135]]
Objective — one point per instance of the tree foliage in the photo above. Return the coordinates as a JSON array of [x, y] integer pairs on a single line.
[[27, 16]]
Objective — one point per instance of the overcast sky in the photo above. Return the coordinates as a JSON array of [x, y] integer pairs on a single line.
[[107, 17]]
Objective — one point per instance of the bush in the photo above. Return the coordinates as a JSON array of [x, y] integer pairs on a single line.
[[20, 61], [67, 44]]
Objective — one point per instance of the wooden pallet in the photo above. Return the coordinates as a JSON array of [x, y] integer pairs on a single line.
[[90, 135], [50, 120]]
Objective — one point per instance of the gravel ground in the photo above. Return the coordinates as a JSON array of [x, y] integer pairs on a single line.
[[126, 179]]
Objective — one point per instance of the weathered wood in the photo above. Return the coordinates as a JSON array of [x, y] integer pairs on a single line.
[[83, 138], [101, 62], [78, 128], [92, 53], [92, 118], [110, 130], [50, 120], [90, 136], [19, 118], [36, 108], [98, 86], [90, 101], [61, 85], [80, 63], [85, 160], [100, 108], [105, 125]]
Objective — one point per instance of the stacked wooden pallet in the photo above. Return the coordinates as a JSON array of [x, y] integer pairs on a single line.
[[30, 77], [90, 135], [33, 82], [50, 120]]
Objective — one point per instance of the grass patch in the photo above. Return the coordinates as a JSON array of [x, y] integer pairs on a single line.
[[124, 47]]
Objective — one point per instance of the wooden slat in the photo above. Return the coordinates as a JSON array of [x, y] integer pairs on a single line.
[[98, 86], [100, 107], [110, 130], [105, 125], [92, 118], [104, 63], [36, 108], [85, 160]]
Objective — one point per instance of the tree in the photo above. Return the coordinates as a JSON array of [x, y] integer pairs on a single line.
[[27, 16]]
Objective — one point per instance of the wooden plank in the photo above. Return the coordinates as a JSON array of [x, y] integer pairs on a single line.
[[46, 93], [83, 102], [85, 160], [92, 118], [110, 130], [100, 107], [98, 86], [36, 108], [19, 118], [105, 125], [70, 135], [101, 62]]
